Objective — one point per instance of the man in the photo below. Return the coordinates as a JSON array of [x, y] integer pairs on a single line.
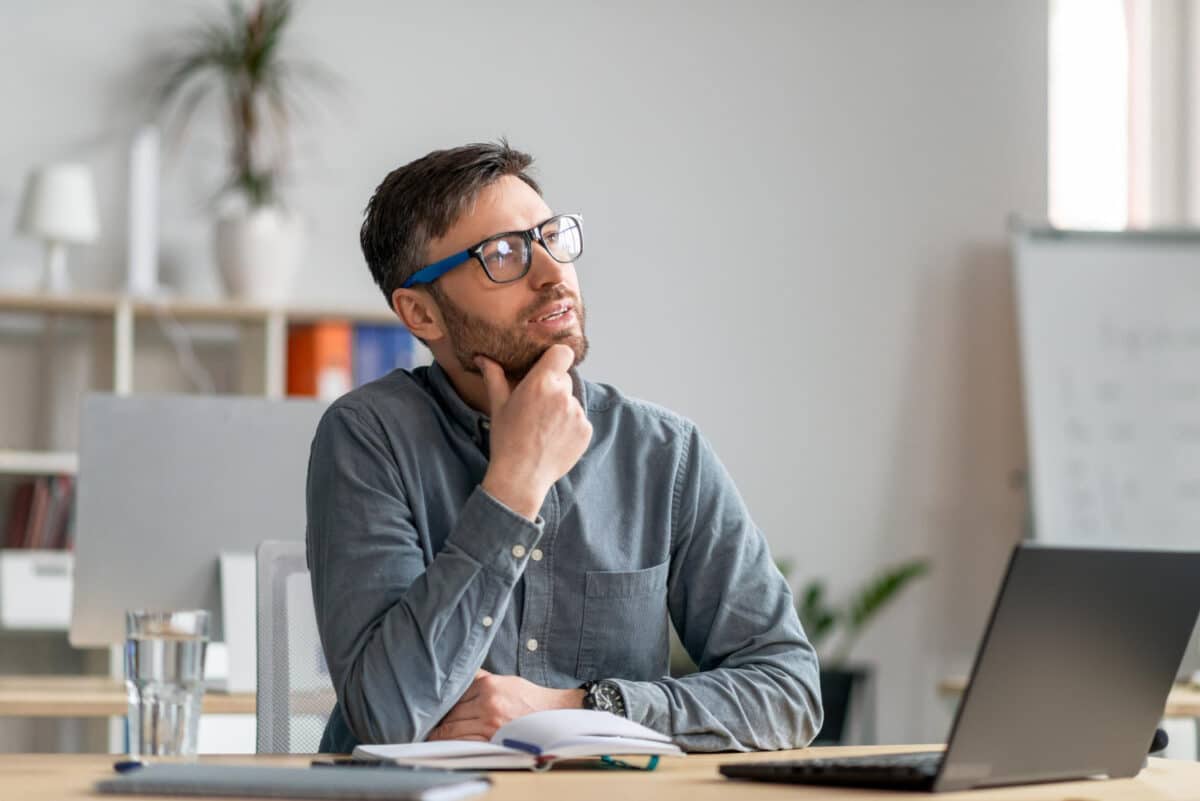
[[494, 536]]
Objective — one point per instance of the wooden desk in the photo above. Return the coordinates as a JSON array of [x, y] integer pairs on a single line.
[[1183, 702], [63, 777], [90, 697]]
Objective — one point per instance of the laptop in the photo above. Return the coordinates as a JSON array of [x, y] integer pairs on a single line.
[[1070, 681]]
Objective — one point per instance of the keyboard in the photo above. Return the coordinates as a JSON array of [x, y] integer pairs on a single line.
[[911, 771]]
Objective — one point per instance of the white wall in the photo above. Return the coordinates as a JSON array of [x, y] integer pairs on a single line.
[[796, 235]]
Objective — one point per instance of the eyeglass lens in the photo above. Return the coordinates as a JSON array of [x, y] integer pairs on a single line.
[[507, 258]]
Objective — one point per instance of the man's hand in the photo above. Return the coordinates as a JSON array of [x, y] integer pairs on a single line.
[[538, 432], [491, 701]]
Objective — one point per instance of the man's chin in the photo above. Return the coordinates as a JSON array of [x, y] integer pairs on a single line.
[[515, 369], [576, 342]]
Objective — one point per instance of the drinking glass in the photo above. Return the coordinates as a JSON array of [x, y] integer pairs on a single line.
[[164, 679]]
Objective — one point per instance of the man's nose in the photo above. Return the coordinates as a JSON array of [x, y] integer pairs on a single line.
[[544, 271]]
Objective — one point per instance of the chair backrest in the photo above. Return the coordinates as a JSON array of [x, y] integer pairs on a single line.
[[295, 692]]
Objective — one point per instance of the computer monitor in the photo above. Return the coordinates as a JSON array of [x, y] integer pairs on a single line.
[[167, 483]]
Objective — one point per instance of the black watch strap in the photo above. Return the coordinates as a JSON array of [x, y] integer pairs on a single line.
[[603, 696]]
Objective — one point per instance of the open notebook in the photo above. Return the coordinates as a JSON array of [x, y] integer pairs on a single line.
[[534, 741]]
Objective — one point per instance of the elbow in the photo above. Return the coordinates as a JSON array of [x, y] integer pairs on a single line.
[[807, 705], [810, 710], [800, 712], [369, 719]]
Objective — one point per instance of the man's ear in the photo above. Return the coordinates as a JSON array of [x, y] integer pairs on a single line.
[[415, 307]]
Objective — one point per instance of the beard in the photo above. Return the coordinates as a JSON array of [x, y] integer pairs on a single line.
[[509, 346]]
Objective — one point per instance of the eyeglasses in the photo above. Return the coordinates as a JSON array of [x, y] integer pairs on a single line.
[[506, 257]]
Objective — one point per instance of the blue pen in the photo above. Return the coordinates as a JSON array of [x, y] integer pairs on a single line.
[[521, 746], [127, 765]]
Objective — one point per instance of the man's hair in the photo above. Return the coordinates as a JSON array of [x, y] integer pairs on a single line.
[[421, 200]]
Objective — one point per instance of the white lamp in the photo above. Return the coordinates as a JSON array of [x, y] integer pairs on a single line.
[[59, 207]]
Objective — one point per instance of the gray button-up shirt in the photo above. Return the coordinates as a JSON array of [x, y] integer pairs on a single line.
[[420, 577]]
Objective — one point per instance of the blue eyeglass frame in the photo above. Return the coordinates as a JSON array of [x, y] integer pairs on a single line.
[[432, 272]]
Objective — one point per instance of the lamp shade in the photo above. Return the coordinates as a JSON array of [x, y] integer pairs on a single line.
[[60, 205]]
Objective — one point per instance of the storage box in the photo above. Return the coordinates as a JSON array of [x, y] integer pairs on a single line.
[[35, 589]]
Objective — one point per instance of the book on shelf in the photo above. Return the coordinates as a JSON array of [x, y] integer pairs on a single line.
[[327, 359], [18, 515], [380, 349], [535, 741], [54, 533], [40, 514], [318, 359]]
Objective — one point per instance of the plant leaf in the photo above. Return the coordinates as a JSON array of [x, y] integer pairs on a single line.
[[816, 616], [239, 52], [879, 592]]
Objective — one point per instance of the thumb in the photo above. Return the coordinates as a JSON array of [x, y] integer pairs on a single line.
[[494, 381]]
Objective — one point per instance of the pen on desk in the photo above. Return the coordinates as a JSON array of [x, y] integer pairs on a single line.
[[127, 765]]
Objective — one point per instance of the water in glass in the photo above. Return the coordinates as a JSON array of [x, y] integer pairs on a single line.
[[164, 674]]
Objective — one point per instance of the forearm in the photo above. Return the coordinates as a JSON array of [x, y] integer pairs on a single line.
[[762, 706], [759, 683], [400, 660]]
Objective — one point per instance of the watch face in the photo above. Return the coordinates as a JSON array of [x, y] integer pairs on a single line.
[[607, 698]]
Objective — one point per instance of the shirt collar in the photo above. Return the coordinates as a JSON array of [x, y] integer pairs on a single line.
[[470, 420]]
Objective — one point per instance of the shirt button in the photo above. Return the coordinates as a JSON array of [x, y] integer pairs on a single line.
[[487, 621], [518, 551], [536, 555], [485, 425], [531, 644]]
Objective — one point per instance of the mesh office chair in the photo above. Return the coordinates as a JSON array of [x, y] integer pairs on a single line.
[[295, 693]]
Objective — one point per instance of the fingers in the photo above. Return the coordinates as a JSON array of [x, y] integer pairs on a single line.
[[557, 359], [474, 689], [466, 708], [474, 729], [494, 381], [462, 711]]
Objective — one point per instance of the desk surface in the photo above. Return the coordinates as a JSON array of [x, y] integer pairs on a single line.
[[63, 777], [1183, 702], [90, 697]]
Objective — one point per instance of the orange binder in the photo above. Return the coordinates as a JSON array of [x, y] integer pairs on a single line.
[[319, 360]]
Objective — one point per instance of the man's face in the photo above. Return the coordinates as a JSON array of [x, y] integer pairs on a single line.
[[505, 322]]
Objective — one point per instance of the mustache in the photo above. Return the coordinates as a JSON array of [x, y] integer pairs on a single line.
[[548, 296]]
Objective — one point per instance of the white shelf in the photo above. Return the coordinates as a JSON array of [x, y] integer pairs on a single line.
[[107, 304], [262, 339], [38, 463]]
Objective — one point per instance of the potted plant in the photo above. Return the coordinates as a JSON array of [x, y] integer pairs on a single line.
[[842, 683], [258, 240]]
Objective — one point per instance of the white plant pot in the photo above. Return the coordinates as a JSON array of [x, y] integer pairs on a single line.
[[258, 253]]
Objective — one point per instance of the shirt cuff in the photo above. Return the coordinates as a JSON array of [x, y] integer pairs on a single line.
[[645, 703], [494, 535]]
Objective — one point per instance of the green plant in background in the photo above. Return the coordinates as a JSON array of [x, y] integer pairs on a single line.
[[822, 620], [240, 54]]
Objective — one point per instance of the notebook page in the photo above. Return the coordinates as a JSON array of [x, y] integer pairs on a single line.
[[545, 729], [609, 746]]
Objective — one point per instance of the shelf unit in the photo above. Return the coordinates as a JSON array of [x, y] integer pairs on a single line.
[[38, 463], [264, 326], [100, 341], [260, 339]]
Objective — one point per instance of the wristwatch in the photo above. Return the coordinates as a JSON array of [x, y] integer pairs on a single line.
[[603, 696]]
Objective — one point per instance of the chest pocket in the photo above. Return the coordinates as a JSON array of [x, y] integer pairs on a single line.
[[625, 625]]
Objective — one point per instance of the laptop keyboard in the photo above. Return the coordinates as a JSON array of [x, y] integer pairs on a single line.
[[913, 771]]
